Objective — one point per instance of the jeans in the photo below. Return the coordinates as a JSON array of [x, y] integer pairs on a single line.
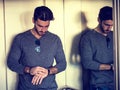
[[101, 88], [21, 88]]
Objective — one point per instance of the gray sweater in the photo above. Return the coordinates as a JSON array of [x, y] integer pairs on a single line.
[[23, 53], [96, 49]]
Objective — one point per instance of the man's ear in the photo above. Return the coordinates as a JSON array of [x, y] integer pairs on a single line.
[[99, 20], [33, 20]]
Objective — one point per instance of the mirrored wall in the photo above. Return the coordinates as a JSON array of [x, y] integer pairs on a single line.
[[71, 18]]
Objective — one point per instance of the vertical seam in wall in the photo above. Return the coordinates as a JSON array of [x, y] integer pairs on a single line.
[[44, 2], [116, 27], [4, 21], [64, 38]]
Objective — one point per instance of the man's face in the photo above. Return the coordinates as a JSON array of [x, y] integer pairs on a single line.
[[106, 26], [41, 26]]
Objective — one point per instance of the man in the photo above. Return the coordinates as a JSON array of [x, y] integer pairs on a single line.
[[33, 52], [96, 49]]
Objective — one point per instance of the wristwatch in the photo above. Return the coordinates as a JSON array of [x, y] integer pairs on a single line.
[[111, 66], [48, 71]]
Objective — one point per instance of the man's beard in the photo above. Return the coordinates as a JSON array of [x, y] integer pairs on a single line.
[[40, 33], [104, 31]]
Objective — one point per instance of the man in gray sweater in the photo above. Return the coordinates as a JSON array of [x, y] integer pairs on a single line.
[[96, 50], [33, 52]]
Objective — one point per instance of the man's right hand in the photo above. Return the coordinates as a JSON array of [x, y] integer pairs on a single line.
[[37, 69]]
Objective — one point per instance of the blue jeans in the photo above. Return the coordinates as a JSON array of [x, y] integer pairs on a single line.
[[101, 88]]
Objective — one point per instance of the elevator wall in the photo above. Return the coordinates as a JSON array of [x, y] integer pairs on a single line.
[[16, 16]]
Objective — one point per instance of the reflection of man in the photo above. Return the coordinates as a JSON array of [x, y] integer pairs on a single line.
[[32, 54], [96, 48]]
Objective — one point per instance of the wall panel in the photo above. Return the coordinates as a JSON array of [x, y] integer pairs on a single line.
[[57, 27], [72, 29], [2, 50], [75, 11], [18, 19]]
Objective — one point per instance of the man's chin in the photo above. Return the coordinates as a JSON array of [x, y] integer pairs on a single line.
[[41, 34], [107, 32]]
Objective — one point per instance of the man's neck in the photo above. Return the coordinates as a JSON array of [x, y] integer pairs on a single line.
[[97, 29], [35, 33]]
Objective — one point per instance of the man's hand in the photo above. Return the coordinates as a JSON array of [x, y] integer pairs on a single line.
[[39, 73], [106, 67], [37, 78], [35, 70]]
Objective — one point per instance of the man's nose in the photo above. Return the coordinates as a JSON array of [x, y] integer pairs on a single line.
[[43, 28], [109, 27]]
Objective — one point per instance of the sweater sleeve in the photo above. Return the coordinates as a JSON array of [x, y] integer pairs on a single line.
[[13, 59], [60, 57], [87, 54]]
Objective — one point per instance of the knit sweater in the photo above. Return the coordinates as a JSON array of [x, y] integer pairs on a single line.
[[23, 53], [97, 49]]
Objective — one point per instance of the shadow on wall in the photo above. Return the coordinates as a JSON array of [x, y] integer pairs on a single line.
[[26, 20], [75, 53]]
